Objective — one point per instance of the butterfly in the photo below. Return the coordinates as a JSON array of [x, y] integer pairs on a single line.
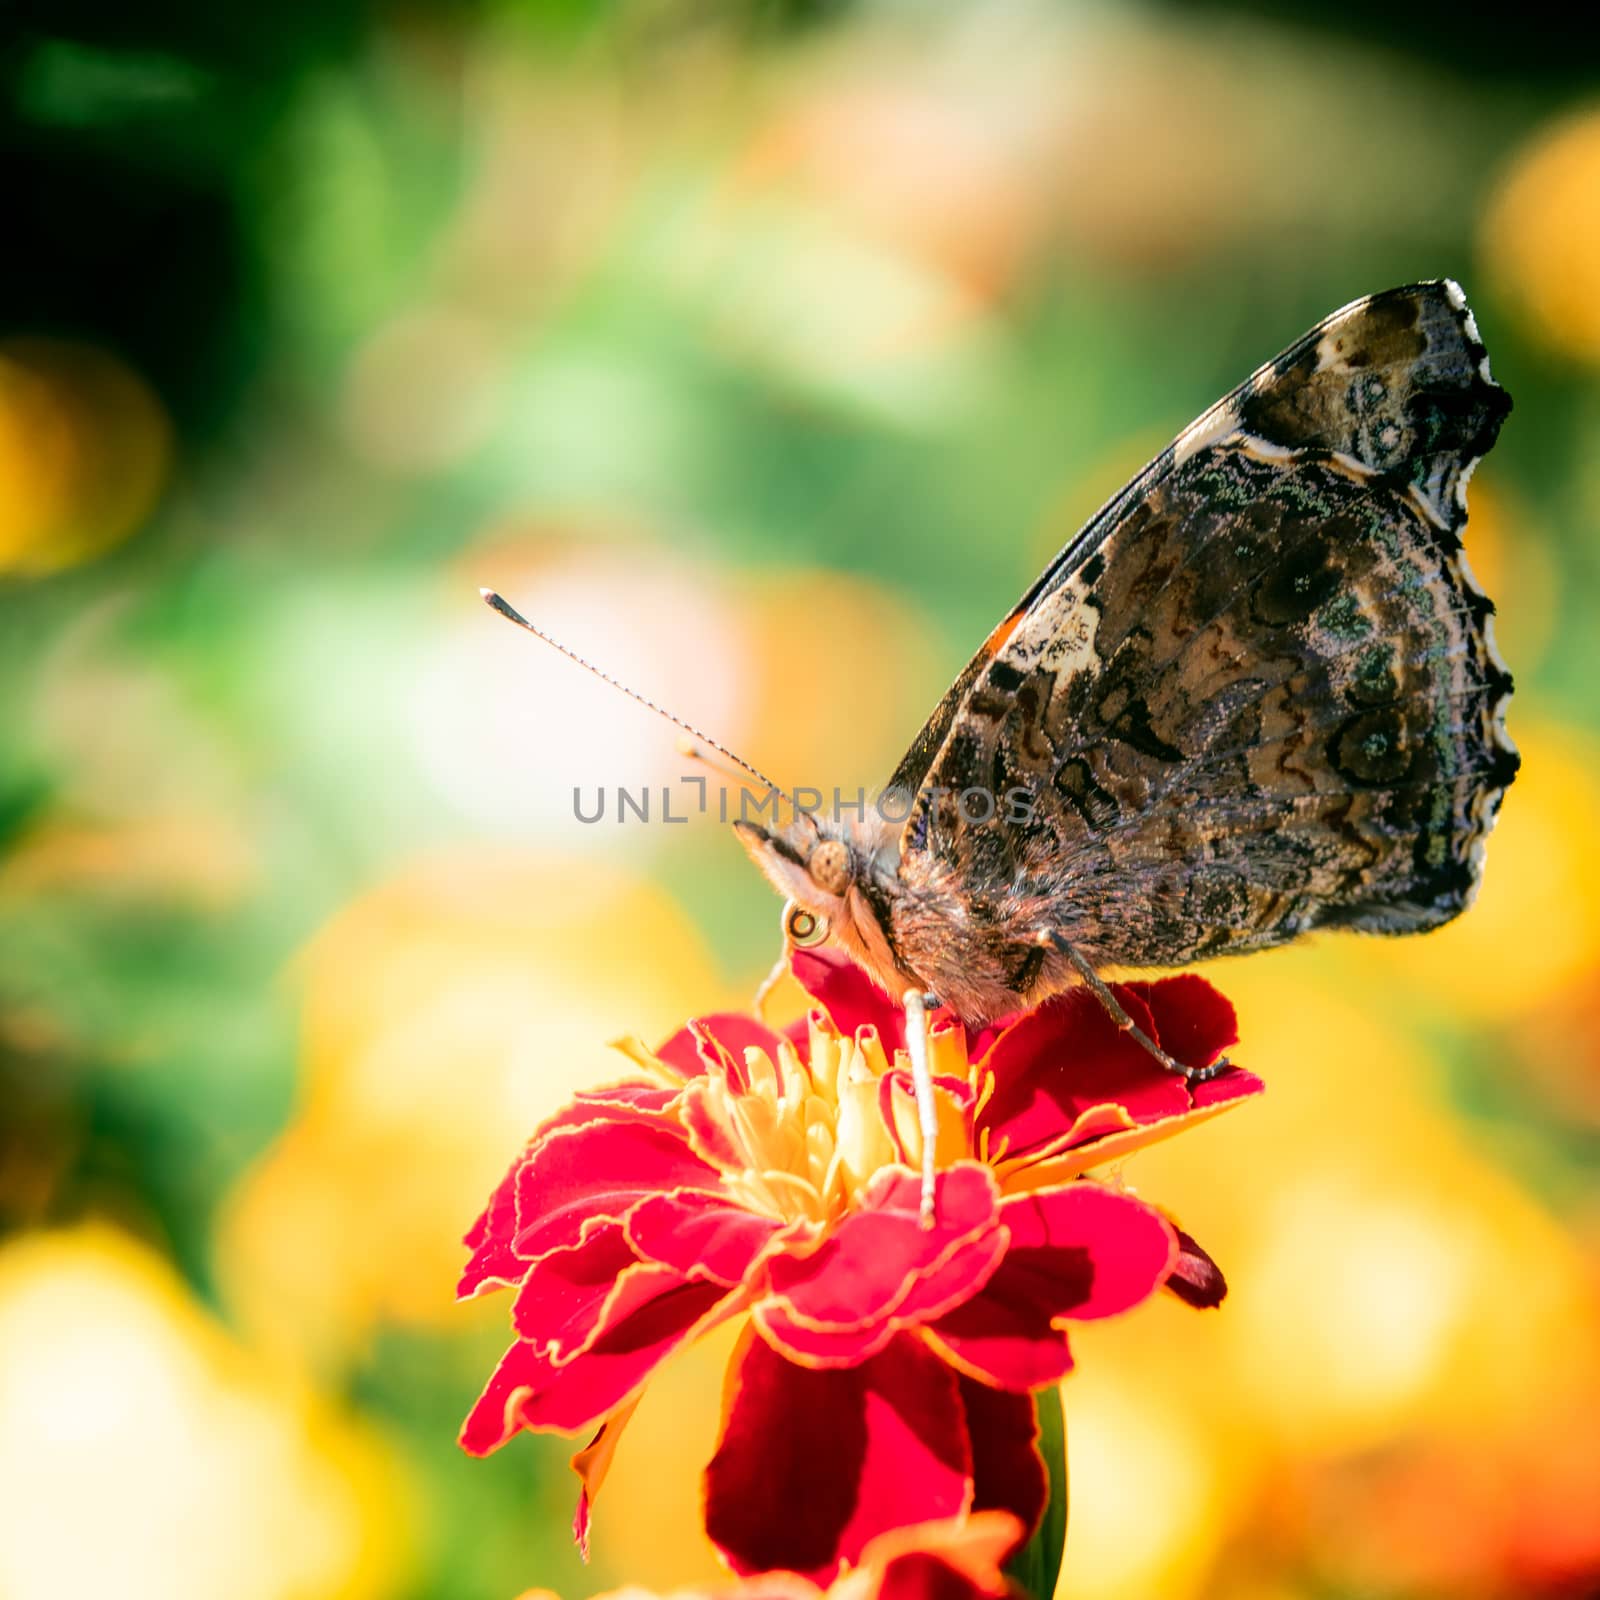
[[1256, 695]]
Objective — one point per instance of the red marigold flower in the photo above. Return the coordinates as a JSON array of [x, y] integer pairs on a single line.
[[885, 1375]]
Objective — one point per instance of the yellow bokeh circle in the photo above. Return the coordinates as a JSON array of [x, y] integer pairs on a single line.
[[85, 450], [1541, 234], [145, 1453]]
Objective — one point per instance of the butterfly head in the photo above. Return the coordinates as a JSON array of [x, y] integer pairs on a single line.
[[838, 882], [810, 868]]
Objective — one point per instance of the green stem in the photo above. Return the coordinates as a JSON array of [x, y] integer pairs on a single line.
[[1037, 1565]]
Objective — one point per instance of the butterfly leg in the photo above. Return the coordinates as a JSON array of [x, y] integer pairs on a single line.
[[1102, 992], [916, 1004]]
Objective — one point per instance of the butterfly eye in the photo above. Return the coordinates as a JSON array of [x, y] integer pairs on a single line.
[[803, 928], [829, 866]]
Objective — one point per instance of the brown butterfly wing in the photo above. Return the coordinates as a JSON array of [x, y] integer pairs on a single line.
[[1259, 692]]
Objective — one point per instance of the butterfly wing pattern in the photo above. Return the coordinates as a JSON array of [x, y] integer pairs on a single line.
[[1257, 694]]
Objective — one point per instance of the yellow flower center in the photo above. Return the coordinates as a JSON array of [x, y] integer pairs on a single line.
[[808, 1137]]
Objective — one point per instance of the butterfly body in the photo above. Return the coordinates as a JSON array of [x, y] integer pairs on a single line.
[[1258, 694], [913, 924]]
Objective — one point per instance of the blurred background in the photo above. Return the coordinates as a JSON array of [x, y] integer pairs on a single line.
[[764, 352]]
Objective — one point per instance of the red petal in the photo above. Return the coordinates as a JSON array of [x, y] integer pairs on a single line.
[[736, 1032], [812, 1465], [1063, 1058], [921, 1575], [950, 1285], [633, 1095], [617, 1364], [1080, 1252], [599, 1169], [699, 1236], [999, 1344], [851, 999], [685, 1052], [877, 1254], [980, 1040], [706, 1126], [495, 1417], [571, 1295], [714, 1041], [495, 1263], [960, 1558], [1196, 1279], [1194, 1021], [1008, 1473], [1065, 1074], [1127, 1247], [882, 1270], [528, 1390]]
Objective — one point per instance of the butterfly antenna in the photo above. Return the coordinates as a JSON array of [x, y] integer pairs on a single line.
[[691, 751], [511, 614]]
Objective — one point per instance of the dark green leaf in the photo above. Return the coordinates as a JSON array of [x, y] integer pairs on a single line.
[[1037, 1565]]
